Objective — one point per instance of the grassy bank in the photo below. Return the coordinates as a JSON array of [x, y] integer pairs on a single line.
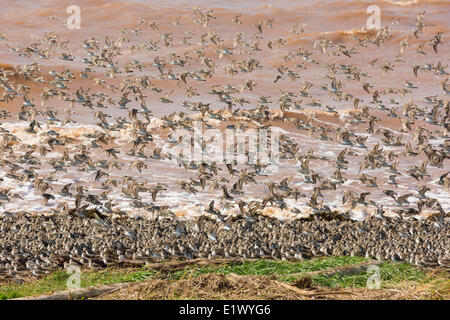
[[331, 272]]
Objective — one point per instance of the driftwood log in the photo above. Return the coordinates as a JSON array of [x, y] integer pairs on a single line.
[[78, 294]]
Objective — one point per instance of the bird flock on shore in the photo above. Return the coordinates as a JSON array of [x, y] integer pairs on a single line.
[[40, 244]]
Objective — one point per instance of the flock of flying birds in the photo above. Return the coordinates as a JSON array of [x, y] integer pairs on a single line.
[[121, 171]]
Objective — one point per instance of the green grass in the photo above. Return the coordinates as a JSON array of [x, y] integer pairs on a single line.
[[53, 282], [390, 273], [268, 267], [56, 281], [286, 271]]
